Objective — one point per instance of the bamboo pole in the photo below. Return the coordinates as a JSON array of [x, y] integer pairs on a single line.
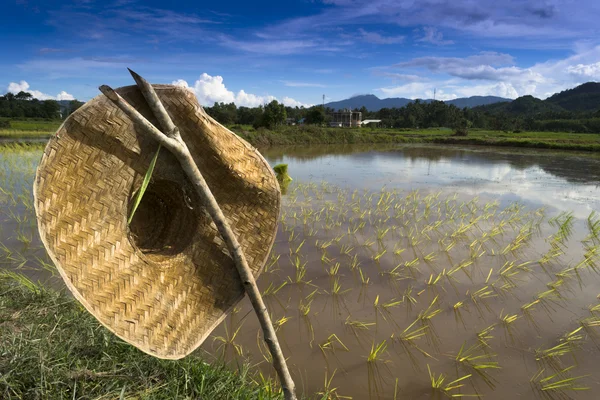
[[173, 142]]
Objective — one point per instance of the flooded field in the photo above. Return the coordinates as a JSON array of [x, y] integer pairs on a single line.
[[410, 272]]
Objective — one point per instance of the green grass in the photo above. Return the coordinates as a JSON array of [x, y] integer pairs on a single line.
[[302, 135], [53, 349], [298, 135], [29, 128]]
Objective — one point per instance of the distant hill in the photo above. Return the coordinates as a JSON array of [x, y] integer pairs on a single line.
[[475, 101], [374, 103], [369, 101], [523, 106], [585, 97]]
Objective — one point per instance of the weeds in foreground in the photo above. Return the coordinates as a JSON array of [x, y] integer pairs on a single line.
[[51, 346]]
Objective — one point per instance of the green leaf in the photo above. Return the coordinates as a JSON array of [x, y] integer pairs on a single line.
[[144, 186]]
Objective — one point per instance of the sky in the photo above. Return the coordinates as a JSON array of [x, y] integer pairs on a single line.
[[250, 52]]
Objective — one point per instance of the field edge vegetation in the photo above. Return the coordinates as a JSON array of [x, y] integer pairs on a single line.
[[52, 348]]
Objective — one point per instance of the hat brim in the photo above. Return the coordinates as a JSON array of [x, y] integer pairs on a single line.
[[165, 281]]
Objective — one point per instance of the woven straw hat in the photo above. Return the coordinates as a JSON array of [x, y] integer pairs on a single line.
[[164, 282]]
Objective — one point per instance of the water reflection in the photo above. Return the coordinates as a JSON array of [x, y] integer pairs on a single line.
[[559, 180]]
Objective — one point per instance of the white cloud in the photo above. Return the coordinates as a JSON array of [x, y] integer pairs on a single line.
[[501, 89], [585, 70], [413, 90], [64, 96], [448, 90], [211, 89], [14, 87], [288, 101], [503, 77], [23, 86]]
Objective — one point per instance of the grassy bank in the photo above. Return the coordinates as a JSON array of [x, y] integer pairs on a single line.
[[295, 135], [301, 135], [29, 128], [51, 348]]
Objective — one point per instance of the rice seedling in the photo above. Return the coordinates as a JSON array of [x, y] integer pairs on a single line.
[[593, 224], [413, 266], [227, 342], [458, 306], [34, 287], [377, 352], [329, 392], [463, 267], [510, 271], [450, 389], [299, 272], [278, 324], [590, 325], [331, 345], [485, 335], [475, 360], [433, 281], [527, 312], [480, 297], [273, 263], [376, 257], [376, 358], [346, 250], [568, 344], [555, 386], [425, 318], [564, 223], [594, 309], [333, 270], [272, 289], [364, 279], [296, 250], [507, 322]]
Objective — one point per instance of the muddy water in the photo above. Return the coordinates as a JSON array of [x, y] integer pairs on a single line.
[[415, 250]]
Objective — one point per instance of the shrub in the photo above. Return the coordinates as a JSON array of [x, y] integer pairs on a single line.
[[460, 132]]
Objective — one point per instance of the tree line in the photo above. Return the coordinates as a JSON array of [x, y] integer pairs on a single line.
[[525, 113], [24, 105]]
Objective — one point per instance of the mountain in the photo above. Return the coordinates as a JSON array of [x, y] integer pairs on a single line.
[[370, 101], [523, 106], [585, 97], [475, 101], [374, 103]]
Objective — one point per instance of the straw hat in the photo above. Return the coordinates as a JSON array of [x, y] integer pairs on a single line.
[[164, 282]]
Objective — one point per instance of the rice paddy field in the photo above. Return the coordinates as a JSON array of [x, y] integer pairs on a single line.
[[407, 272]]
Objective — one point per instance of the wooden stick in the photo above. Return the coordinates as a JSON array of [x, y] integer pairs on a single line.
[[177, 146]]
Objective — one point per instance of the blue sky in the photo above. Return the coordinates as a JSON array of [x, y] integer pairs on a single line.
[[250, 52]]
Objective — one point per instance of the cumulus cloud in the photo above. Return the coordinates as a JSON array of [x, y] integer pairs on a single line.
[[23, 86], [64, 96], [585, 70], [211, 89]]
